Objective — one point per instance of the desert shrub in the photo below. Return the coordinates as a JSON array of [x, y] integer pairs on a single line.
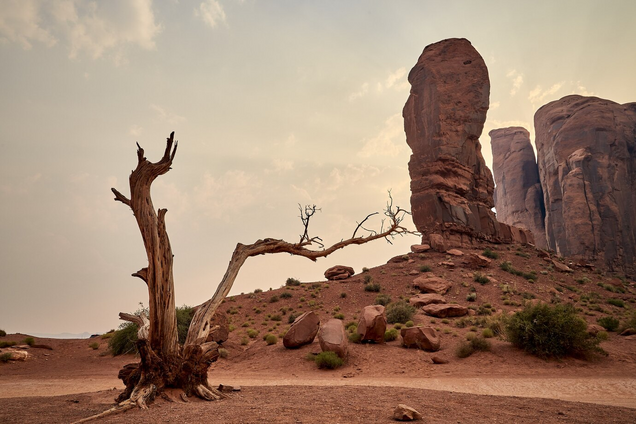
[[285, 295], [487, 333], [343, 295], [425, 268], [372, 287], [5, 357], [464, 350], [258, 290], [471, 297], [251, 333], [507, 266], [124, 339], [244, 341], [328, 360], [29, 341], [94, 345], [273, 299], [480, 278], [390, 335], [399, 311], [470, 335], [184, 317], [409, 324], [583, 280], [551, 331], [108, 335], [223, 353], [339, 316], [616, 302], [383, 299], [398, 326], [270, 339], [467, 348], [276, 317], [3, 333], [292, 317], [355, 337], [630, 323], [611, 288], [490, 254], [480, 344], [7, 344], [609, 323], [292, 282], [367, 278], [365, 269]]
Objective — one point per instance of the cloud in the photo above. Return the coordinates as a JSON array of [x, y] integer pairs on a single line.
[[360, 93], [517, 81], [225, 196], [539, 95], [388, 142], [20, 22], [97, 29], [166, 116], [395, 80], [135, 130], [211, 12]]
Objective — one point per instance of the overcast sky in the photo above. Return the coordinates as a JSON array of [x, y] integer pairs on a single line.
[[274, 103]]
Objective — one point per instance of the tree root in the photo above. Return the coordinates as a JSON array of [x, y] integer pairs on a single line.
[[208, 393], [139, 398]]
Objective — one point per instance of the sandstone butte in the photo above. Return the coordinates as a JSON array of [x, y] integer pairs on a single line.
[[518, 194], [586, 148], [451, 187]]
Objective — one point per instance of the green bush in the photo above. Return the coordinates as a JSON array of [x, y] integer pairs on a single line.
[[251, 333], [258, 290], [616, 302], [372, 287], [292, 317], [29, 341], [328, 360], [399, 311], [383, 299], [490, 254], [425, 268], [270, 339], [339, 316], [354, 336], [487, 333], [244, 341], [94, 345], [390, 335], [273, 299], [3, 333], [471, 297], [367, 278], [343, 295], [124, 339], [507, 266], [5, 357], [292, 282], [223, 353], [7, 344], [609, 323], [467, 348], [480, 278], [551, 331], [409, 324], [285, 295], [184, 317]]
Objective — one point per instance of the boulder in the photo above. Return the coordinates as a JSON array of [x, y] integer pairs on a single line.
[[339, 272], [406, 413], [474, 261], [420, 248], [561, 267], [222, 332], [333, 338], [455, 252], [518, 194], [420, 300], [372, 323], [427, 284], [445, 310], [302, 331], [423, 338], [437, 242], [586, 153]]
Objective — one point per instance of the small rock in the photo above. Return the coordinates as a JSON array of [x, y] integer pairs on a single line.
[[448, 264], [431, 285], [561, 267], [593, 329], [420, 300], [628, 332], [420, 248], [445, 311], [439, 360], [423, 338], [437, 242], [414, 272], [406, 413], [455, 252], [473, 260]]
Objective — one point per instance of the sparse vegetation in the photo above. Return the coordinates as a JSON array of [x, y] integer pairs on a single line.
[[223, 353], [184, 317], [328, 360], [273, 299], [507, 266], [124, 339], [425, 268], [409, 324], [487, 333], [480, 278], [258, 290], [3, 333], [339, 316], [490, 254], [390, 335], [372, 287], [94, 345], [551, 331], [5, 357], [270, 339], [399, 311], [471, 297], [616, 302], [286, 295], [4, 344], [608, 323], [251, 333], [343, 295], [467, 348], [29, 341], [383, 299], [291, 282]]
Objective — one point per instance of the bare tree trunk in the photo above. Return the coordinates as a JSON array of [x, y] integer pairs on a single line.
[[164, 363]]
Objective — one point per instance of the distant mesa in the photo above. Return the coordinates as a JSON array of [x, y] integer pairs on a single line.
[[451, 187], [518, 194]]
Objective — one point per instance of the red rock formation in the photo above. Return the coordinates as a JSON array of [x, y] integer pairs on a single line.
[[518, 195], [451, 187], [372, 323], [587, 163], [302, 331]]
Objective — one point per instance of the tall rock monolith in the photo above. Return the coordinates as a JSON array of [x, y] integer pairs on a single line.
[[451, 187], [518, 194], [587, 164]]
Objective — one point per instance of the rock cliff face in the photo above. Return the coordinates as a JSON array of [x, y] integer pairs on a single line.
[[451, 187], [518, 195], [587, 163]]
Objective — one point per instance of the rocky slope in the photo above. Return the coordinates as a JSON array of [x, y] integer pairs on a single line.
[[518, 194], [587, 163]]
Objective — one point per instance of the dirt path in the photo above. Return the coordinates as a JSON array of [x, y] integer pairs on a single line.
[[604, 391]]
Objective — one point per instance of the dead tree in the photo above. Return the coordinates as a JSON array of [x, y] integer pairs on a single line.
[[164, 362]]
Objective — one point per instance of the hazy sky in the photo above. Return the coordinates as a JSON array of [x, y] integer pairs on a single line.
[[274, 103]]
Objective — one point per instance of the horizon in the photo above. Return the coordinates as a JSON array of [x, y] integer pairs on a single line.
[[274, 104]]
